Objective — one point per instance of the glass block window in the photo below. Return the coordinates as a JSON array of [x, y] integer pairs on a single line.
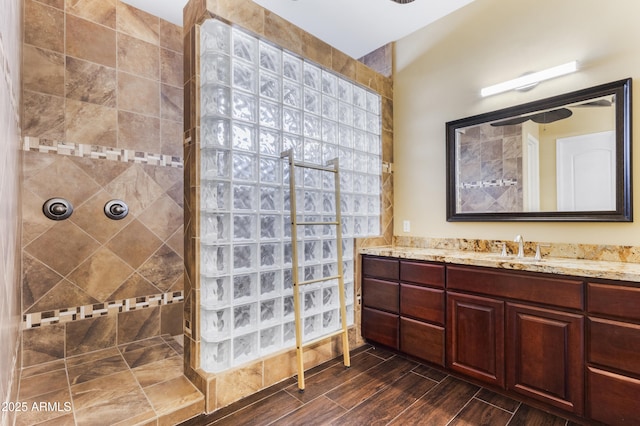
[[256, 101]]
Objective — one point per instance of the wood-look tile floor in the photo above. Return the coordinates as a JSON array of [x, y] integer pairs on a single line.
[[380, 388], [132, 384]]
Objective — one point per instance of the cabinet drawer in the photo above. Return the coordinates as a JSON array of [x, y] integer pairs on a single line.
[[614, 300], [614, 344], [612, 398], [380, 294], [422, 273], [422, 303], [380, 267], [422, 340], [565, 293], [381, 327]]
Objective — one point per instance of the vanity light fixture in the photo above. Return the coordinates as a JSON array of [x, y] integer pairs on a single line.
[[530, 79]]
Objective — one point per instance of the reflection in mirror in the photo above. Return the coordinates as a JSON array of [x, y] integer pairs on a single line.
[[563, 158]]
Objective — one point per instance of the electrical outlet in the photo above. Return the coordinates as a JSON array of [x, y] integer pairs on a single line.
[[406, 226]]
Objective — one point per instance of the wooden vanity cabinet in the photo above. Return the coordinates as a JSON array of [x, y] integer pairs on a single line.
[[541, 355], [613, 353], [571, 344]]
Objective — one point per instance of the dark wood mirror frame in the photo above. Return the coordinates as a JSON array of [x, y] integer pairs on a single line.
[[623, 212]]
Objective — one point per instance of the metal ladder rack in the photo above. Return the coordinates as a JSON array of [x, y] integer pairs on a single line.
[[332, 167]]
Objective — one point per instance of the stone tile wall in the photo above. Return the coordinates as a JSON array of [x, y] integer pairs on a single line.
[[100, 72], [10, 209], [229, 386], [491, 162], [102, 120], [380, 60]]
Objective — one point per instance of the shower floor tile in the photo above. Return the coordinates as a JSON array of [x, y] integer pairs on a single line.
[[137, 383]]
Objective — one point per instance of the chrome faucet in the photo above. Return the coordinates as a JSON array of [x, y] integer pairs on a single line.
[[520, 242]]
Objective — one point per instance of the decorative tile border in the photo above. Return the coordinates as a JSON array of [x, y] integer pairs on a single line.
[[58, 316], [489, 183], [100, 152]]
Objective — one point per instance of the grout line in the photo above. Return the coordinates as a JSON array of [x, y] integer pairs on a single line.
[[73, 408], [414, 402], [464, 406], [514, 414], [426, 377], [493, 405]]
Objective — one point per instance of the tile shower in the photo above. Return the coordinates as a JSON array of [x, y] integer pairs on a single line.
[[102, 119], [258, 100]]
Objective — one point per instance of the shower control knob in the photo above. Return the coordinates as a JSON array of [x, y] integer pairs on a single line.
[[57, 208], [116, 209]]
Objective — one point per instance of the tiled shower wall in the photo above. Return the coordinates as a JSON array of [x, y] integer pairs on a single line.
[[102, 119], [491, 158], [10, 211]]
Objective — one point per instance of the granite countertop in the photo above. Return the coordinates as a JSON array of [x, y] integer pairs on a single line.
[[554, 265]]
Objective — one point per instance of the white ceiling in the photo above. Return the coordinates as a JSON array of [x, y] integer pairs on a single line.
[[355, 27]]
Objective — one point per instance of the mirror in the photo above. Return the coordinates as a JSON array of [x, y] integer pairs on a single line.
[[565, 158]]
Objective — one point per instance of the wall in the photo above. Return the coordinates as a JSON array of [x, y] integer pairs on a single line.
[[10, 211], [440, 69], [102, 120]]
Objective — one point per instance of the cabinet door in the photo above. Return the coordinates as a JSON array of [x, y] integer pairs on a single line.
[[380, 327], [545, 356], [475, 337]]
